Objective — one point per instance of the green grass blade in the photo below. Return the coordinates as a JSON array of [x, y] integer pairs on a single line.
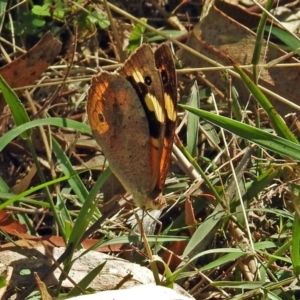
[[193, 123], [261, 182], [84, 218], [258, 136], [87, 212], [17, 109], [222, 260], [205, 229], [29, 201], [276, 120], [239, 284], [59, 122], [85, 282], [296, 245], [260, 36], [286, 37], [32, 190], [66, 166]]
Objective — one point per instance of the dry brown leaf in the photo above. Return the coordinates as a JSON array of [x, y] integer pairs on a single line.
[[42, 288], [10, 225], [31, 241], [23, 184], [227, 37], [27, 68], [190, 219]]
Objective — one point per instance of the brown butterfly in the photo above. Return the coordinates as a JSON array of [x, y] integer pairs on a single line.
[[132, 113]]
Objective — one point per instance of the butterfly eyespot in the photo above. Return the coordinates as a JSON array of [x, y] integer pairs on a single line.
[[101, 118], [164, 77], [148, 80]]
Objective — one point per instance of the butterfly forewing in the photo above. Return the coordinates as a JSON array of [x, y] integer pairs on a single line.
[[140, 70], [165, 64]]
